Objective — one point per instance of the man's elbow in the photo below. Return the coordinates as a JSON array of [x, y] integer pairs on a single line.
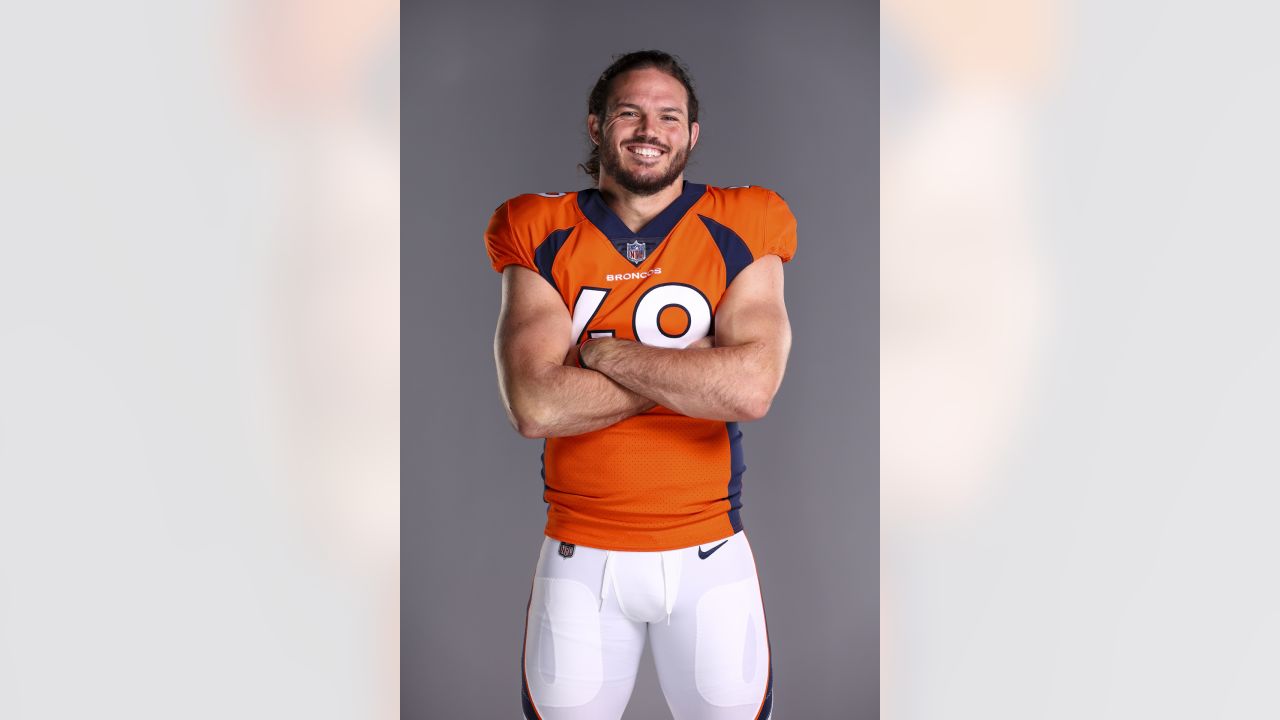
[[530, 430], [758, 394], [755, 405], [527, 409], [529, 420], [757, 386]]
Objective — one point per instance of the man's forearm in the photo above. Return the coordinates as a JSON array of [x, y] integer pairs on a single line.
[[724, 383], [560, 400]]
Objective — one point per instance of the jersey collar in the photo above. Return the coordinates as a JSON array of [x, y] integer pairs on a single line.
[[593, 206]]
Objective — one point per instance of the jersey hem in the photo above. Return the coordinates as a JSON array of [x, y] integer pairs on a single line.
[[585, 542]]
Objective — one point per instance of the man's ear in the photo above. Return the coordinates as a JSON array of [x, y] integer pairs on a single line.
[[593, 129], [693, 135]]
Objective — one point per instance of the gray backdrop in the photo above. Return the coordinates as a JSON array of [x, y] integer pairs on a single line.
[[493, 106]]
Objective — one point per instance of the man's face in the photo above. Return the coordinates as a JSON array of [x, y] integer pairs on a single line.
[[645, 135]]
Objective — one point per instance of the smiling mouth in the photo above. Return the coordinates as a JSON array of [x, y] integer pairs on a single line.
[[645, 152]]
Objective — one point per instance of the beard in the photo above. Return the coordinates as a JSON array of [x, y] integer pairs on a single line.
[[644, 186]]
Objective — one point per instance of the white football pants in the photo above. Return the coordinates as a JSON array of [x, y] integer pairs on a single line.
[[589, 615]]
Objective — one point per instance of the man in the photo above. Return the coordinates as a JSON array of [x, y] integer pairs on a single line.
[[641, 320]]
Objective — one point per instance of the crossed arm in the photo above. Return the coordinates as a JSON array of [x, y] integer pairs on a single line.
[[735, 380]]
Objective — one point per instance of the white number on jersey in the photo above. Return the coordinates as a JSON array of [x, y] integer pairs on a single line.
[[648, 313]]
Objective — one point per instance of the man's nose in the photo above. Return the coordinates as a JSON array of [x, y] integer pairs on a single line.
[[647, 125]]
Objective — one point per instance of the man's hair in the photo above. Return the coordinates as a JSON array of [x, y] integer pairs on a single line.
[[638, 60]]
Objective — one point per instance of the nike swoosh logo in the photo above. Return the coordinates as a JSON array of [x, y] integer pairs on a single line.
[[704, 555]]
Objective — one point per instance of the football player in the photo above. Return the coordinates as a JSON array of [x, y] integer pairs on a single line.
[[641, 321]]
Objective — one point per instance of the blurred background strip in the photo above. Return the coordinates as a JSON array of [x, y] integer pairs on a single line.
[[199, 360], [1078, 466]]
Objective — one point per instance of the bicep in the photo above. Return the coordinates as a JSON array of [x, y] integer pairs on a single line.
[[753, 310], [533, 324]]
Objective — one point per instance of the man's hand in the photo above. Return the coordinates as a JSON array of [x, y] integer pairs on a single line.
[[571, 357]]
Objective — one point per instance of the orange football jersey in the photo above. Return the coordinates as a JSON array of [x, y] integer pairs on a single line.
[[658, 480]]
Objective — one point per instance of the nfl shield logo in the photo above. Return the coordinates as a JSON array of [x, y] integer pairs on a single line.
[[635, 252], [566, 549]]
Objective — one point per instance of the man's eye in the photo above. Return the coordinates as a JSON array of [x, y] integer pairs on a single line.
[[669, 118]]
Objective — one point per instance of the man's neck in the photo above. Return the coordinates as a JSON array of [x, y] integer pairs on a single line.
[[634, 210]]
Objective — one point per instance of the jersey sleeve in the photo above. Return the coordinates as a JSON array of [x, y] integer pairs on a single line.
[[504, 244], [778, 236]]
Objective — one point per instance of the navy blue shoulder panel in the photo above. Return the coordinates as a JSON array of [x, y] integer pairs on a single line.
[[545, 256], [733, 248], [737, 466]]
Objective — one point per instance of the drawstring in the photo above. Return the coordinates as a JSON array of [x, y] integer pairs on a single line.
[[607, 579], [668, 591]]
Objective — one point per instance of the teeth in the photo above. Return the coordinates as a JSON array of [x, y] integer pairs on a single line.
[[646, 152]]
